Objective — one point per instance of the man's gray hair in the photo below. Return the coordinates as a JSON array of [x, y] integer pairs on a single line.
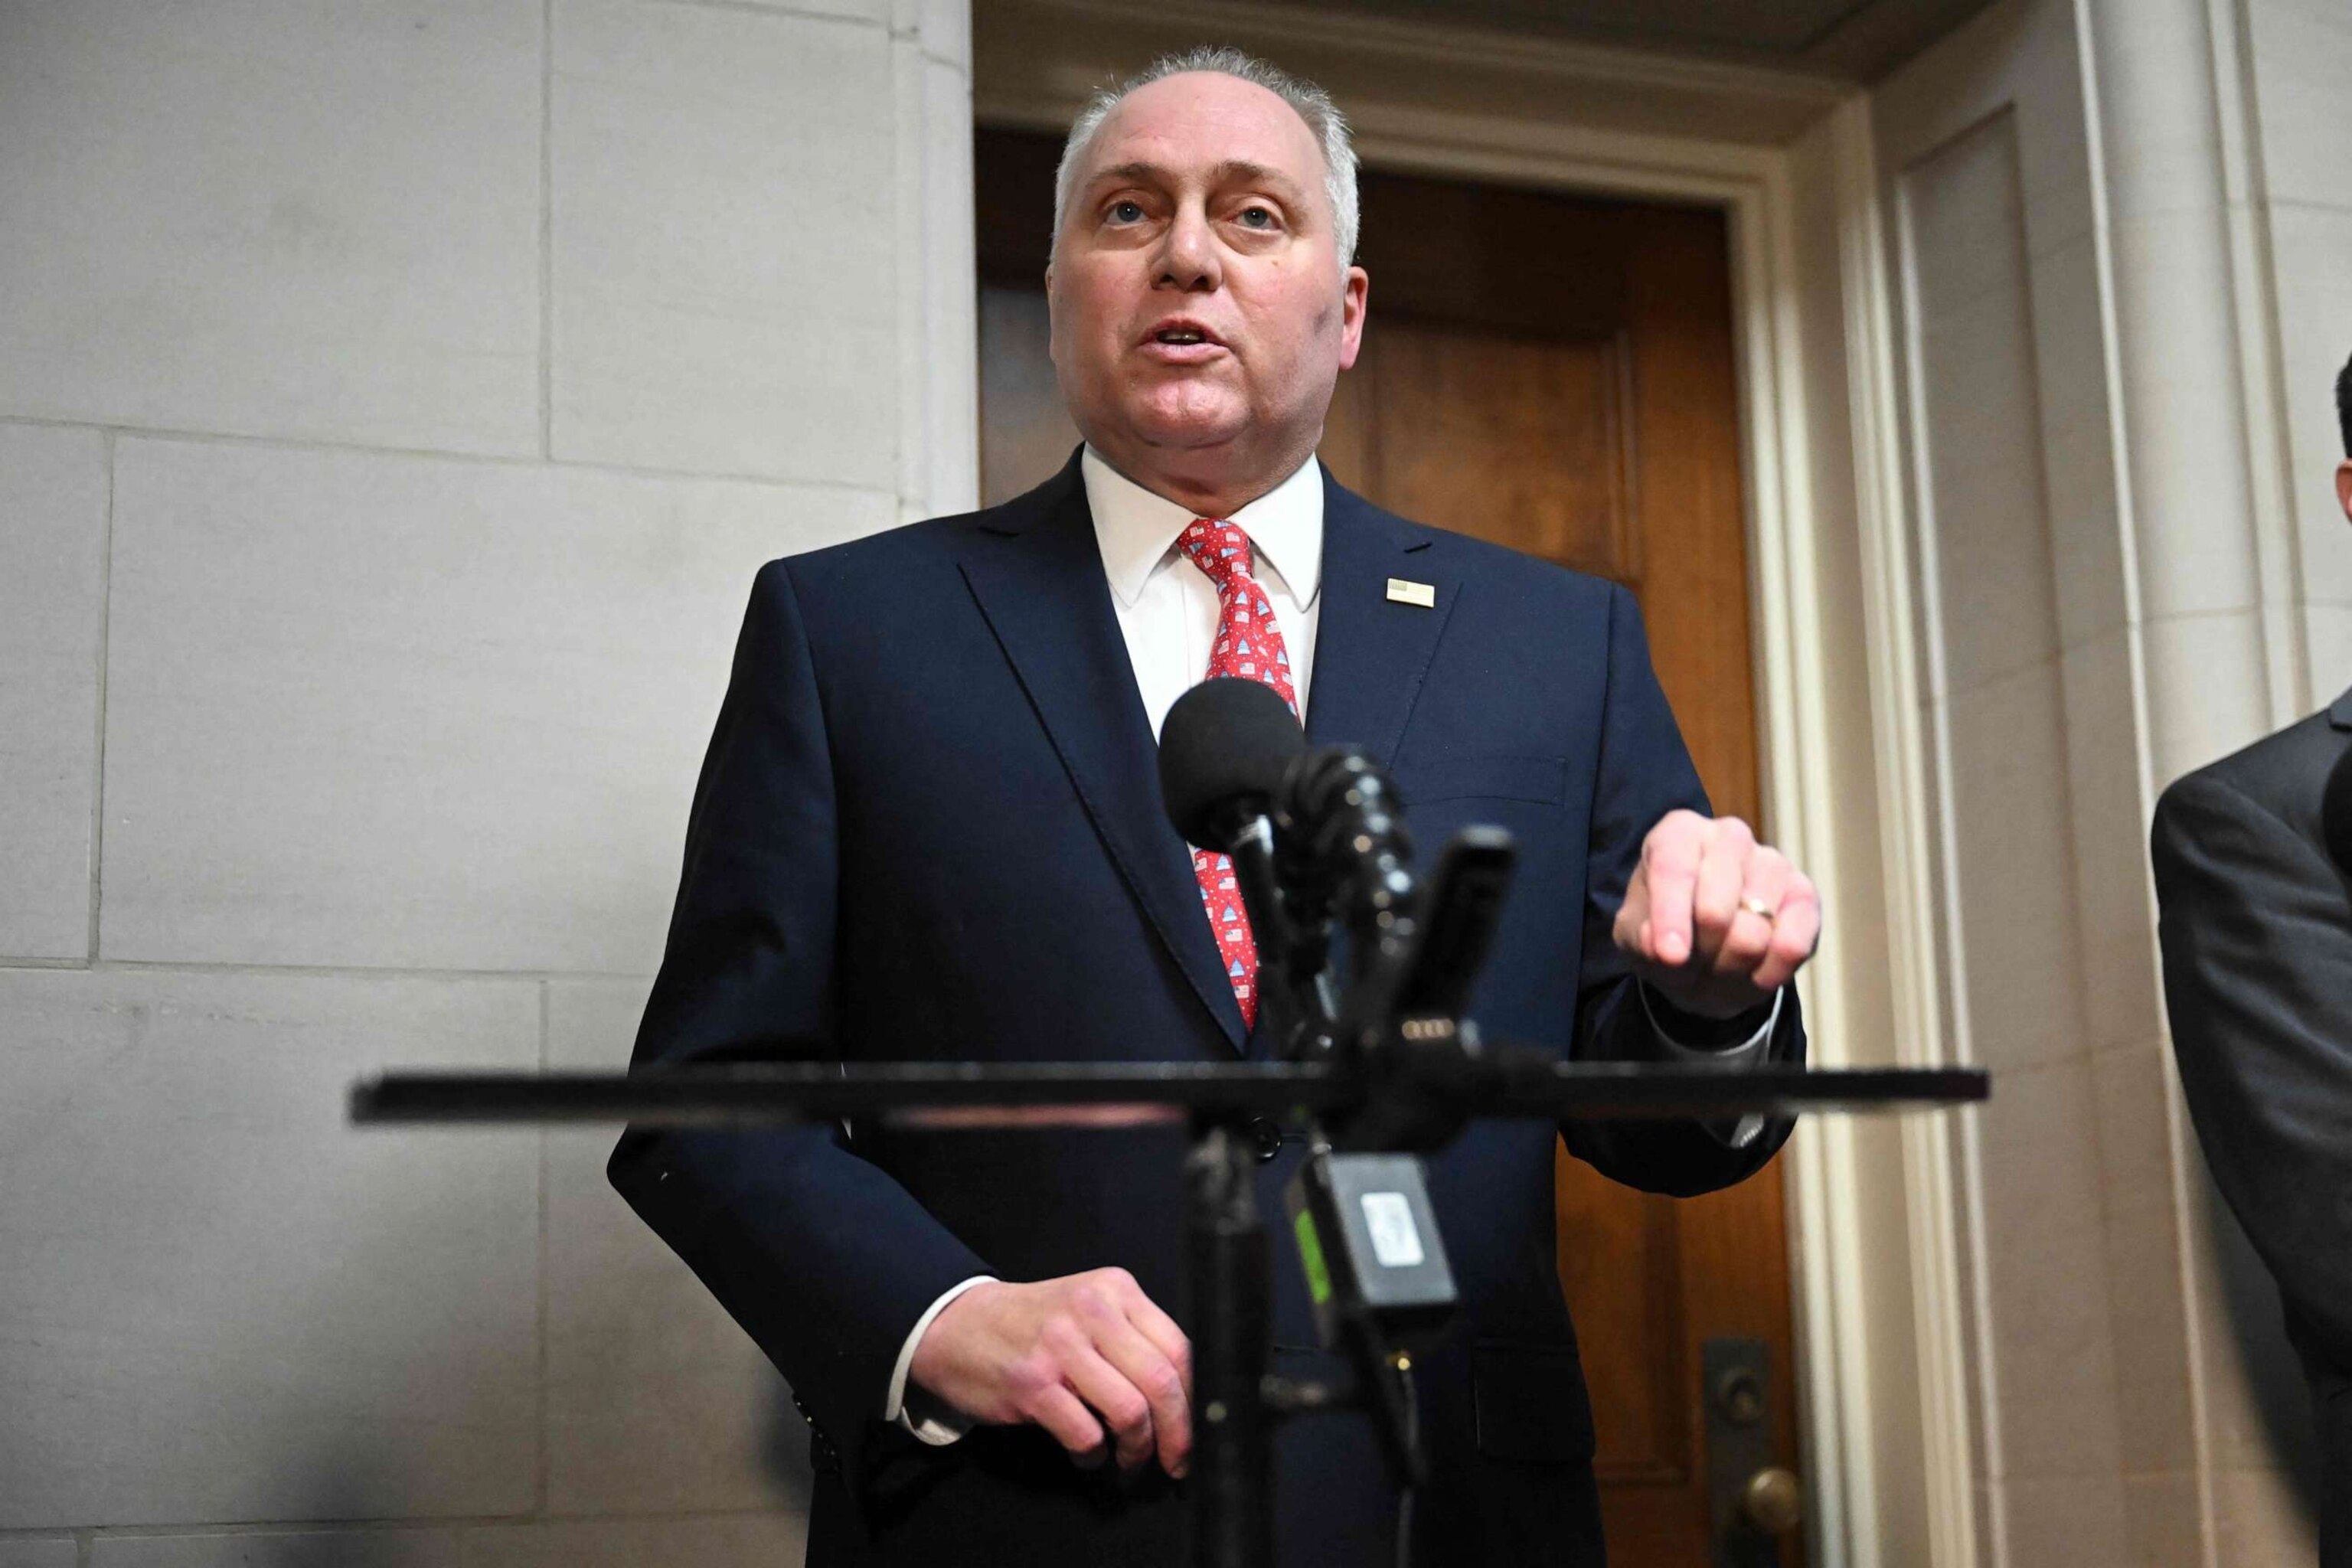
[[1313, 104]]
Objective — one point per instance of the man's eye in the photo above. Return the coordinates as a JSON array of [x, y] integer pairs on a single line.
[[1126, 212], [1257, 217]]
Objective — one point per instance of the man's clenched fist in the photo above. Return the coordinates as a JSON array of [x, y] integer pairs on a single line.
[[1088, 1357], [1714, 921]]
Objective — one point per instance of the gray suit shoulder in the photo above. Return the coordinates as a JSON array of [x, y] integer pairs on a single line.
[[2284, 773]]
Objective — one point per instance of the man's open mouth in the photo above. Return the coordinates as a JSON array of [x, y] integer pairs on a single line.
[[1181, 332]]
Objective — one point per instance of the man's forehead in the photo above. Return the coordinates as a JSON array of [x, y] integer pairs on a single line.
[[1205, 122]]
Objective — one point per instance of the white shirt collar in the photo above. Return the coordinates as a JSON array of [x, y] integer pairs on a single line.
[[1136, 530]]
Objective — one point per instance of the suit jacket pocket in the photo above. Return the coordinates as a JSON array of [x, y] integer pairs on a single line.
[[1484, 775], [1530, 1402]]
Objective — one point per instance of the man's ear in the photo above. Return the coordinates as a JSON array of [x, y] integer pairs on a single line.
[[2344, 487], [1355, 291]]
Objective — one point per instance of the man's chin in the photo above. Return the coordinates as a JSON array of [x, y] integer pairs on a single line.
[[1189, 430]]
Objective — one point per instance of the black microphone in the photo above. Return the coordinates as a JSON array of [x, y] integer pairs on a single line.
[[1223, 752], [1234, 766], [2335, 815], [1226, 751]]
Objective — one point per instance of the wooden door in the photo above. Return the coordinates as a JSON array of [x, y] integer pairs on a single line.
[[1555, 374]]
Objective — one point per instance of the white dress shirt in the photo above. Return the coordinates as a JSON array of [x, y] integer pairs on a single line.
[[1167, 607], [1168, 612]]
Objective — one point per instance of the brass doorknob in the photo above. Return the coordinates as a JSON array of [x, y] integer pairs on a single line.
[[1773, 1500]]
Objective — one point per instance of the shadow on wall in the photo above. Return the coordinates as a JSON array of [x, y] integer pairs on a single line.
[[435, 1411], [717, 1435], [784, 1448], [2257, 1329]]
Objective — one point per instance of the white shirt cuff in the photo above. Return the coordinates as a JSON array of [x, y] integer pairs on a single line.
[[934, 1423], [1749, 1052]]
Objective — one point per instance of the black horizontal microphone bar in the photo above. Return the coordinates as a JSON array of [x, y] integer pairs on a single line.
[[1506, 1083]]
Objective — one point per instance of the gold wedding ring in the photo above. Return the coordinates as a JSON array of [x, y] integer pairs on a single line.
[[1757, 907]]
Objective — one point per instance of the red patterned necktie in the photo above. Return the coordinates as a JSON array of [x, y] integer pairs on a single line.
[[1248, 644]]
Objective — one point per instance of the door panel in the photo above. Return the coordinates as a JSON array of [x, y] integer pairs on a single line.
[[1555, 374], [1516, 441]]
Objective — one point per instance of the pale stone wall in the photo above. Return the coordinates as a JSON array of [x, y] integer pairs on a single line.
[[395, 401]]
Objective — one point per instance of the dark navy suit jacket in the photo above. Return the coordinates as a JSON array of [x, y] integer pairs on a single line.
[[930, 828]]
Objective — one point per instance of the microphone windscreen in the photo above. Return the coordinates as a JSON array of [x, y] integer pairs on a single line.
[[1226, 741], [2335, 814]]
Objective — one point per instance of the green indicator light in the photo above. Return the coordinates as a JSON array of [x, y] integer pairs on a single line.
[[1311, 1256]]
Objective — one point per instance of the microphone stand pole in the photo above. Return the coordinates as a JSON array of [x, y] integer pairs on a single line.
[[1233, 1466], [1227, 1247]]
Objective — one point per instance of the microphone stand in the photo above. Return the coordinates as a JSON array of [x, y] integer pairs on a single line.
[[1392, 1069], [1233, 1317], [1232, 1502]]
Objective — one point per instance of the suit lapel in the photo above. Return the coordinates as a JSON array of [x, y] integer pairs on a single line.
[[2340, 715], [1371, 653], [1037, 574]]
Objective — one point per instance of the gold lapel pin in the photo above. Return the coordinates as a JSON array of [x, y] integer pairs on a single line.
[[1404, 593]]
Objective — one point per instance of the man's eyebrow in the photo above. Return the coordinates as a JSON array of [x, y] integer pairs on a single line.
[[1236, 170], [1232, 170], [1128, 171]]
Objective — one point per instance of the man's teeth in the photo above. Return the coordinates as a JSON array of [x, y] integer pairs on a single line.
[[1180, 335]]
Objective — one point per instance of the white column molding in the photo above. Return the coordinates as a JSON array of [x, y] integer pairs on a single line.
[[1929, 1145], [2261, 380], [938, 307], [2191, 525], [2205, 490]]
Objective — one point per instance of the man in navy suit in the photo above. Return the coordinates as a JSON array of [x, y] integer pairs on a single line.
[[930, 828]]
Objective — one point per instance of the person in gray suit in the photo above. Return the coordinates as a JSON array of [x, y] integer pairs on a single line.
[[2253, 875]]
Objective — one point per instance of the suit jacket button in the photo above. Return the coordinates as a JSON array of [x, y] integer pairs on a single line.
[[1268, 1138]]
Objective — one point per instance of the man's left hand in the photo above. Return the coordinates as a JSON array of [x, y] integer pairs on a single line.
[[1714, 921]]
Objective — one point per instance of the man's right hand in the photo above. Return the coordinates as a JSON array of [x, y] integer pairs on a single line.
[[1088, 1357]]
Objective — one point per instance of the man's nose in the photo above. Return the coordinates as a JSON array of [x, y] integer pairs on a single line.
[[1188, 258]]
